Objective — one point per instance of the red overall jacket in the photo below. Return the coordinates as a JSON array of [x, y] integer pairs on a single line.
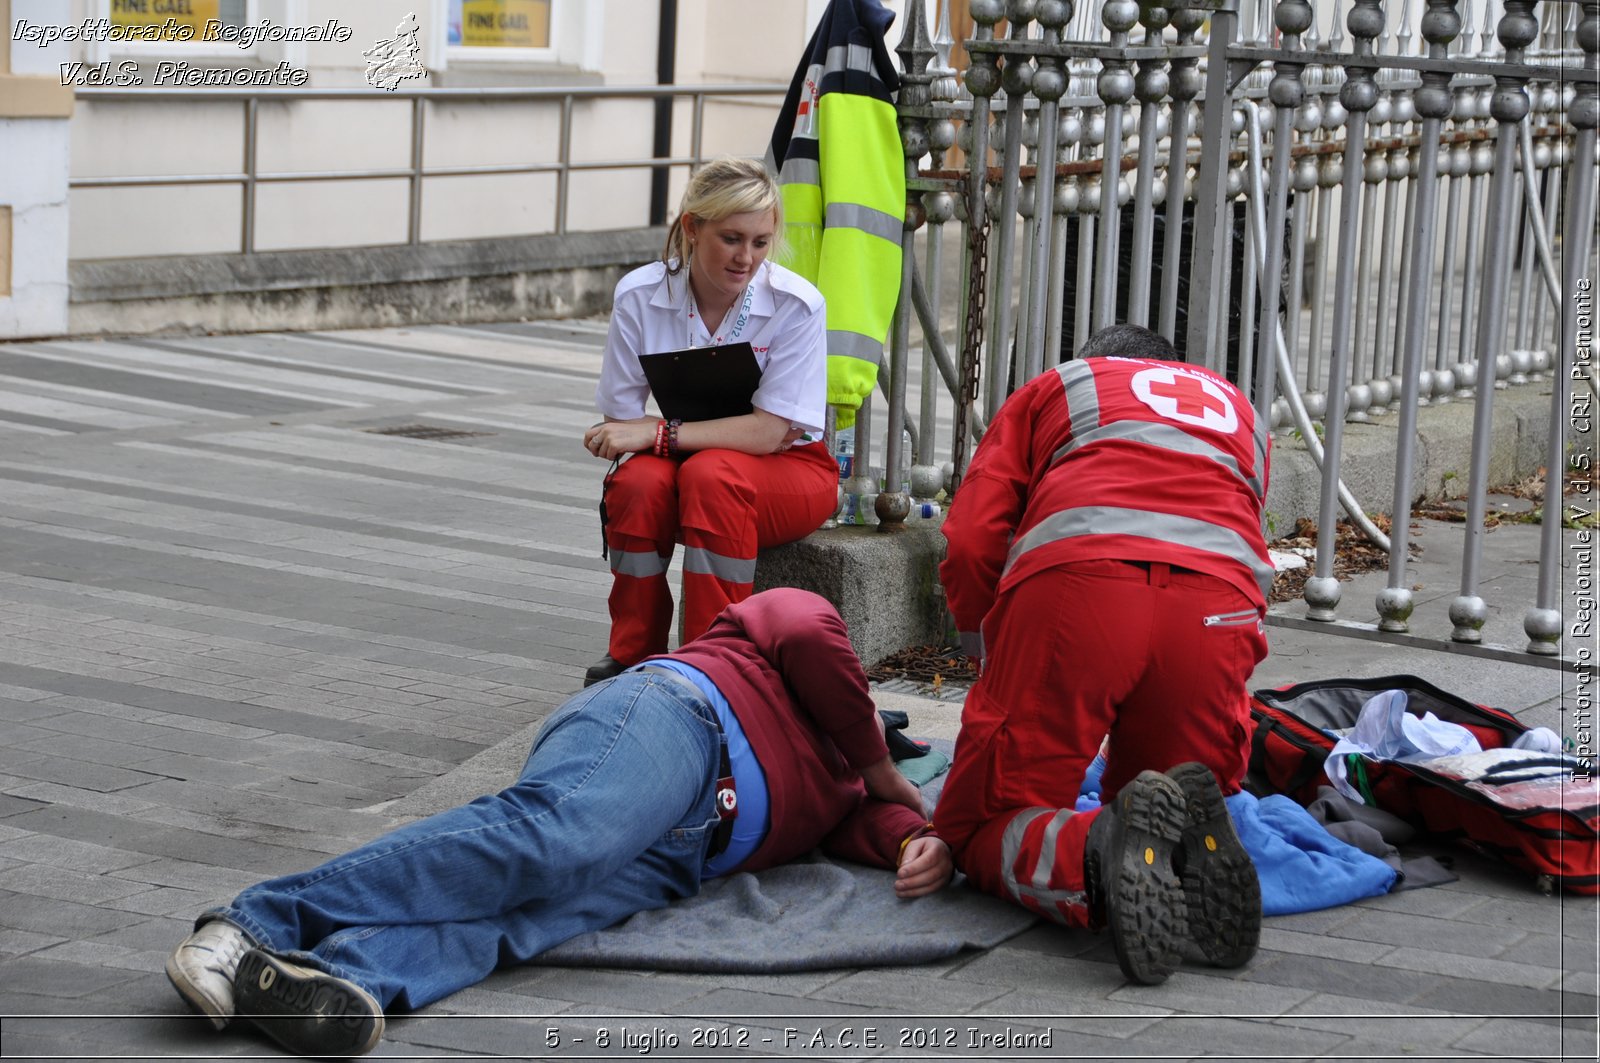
[[1123, 458]]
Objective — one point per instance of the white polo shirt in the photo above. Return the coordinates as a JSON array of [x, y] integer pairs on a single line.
[[781, 316]]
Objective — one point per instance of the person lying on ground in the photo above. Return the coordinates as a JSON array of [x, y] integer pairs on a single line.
[[753, 745]]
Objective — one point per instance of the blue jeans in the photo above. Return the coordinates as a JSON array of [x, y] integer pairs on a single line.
[[612, 815]]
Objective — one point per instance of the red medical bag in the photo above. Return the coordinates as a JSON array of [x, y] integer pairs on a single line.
[[1548, 826]]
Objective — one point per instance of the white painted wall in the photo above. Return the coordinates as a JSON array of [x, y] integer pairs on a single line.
[[34, 155], [595, 42], [33, 181]]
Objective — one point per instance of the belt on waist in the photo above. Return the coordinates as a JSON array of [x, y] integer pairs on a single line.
[[1146, 565], [727, 798]]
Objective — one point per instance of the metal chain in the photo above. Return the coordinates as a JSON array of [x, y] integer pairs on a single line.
[[972, 344]]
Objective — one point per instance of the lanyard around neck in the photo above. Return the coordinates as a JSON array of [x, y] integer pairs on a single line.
[[739, 322]]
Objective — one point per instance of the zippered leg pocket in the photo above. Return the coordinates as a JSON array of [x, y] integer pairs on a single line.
[[1237, 618]]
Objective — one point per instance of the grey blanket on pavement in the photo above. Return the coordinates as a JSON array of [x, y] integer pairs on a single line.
[[801, 916], [804, 915]]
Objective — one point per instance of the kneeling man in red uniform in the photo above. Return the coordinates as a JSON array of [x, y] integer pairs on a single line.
[[1107, 565]]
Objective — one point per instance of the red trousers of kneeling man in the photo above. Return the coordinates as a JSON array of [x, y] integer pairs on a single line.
[[723, 505], [1156, 657]]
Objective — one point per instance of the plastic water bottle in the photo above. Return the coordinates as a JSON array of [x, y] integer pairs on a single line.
[[844, 446], [922, 511], [867, 513]]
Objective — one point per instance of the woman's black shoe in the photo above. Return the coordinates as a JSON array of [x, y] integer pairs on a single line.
[[603, 669]]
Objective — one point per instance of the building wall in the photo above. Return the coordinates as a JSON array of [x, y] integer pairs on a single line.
[[43, 224], [610, 42], [34, 115]]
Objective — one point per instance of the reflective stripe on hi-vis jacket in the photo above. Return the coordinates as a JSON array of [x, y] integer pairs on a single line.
[[836, 150]]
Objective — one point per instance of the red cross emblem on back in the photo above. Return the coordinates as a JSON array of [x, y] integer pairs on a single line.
[[1187, 398], [1192, 399]]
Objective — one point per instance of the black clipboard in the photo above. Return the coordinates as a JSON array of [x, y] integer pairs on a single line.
[[703, 383]]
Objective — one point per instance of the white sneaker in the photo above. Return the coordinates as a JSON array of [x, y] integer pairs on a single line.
[[202, 969]]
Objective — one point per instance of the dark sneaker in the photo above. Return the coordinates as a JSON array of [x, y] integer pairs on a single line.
[[605, 668], [1133, 890], [308, 1012], [1219, 880], [202, 969]]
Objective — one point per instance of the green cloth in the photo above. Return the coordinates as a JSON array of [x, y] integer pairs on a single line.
[[924, 769]]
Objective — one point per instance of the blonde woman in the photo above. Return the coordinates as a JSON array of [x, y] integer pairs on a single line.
[[726, 487]]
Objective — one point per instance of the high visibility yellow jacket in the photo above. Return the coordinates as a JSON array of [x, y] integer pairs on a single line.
[[836, 150]]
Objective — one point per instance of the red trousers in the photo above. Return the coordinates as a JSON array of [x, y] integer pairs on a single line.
[[723, 505], [1156, 657]]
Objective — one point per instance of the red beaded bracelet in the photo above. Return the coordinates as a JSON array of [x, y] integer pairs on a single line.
[[672, 437]]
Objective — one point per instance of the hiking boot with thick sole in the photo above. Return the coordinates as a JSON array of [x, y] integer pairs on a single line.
[[1133, 891], [202, 969], [307, 1011], [607, 667], [1221, 891]]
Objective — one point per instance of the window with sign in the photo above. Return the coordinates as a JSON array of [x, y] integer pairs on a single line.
[[189, 28], [177, 21], [501, 28]]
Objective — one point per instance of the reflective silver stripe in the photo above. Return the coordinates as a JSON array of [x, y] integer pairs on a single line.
[[1083, 401], [798, 171], [1261, 457], [855, 345], [856, 57], [1156, 434], [868, 220], [639, 563], [1011, 846], [971, 643], [728, 569], [1047, 849], [1143, 524], [1037, 890]]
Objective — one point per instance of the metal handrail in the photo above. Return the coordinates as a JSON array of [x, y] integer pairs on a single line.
[[415, 172]]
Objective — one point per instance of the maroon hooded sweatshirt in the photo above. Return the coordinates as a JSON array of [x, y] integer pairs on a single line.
[[786, 666]]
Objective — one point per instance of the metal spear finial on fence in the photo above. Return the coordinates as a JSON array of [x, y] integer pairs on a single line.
[[1433, 102], [1049, 84], [916, 51], [1286, 91], [1543, 623], [1150, 86], [1518, 28], [1357, 96], [1115, 85], [1186, 83]]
